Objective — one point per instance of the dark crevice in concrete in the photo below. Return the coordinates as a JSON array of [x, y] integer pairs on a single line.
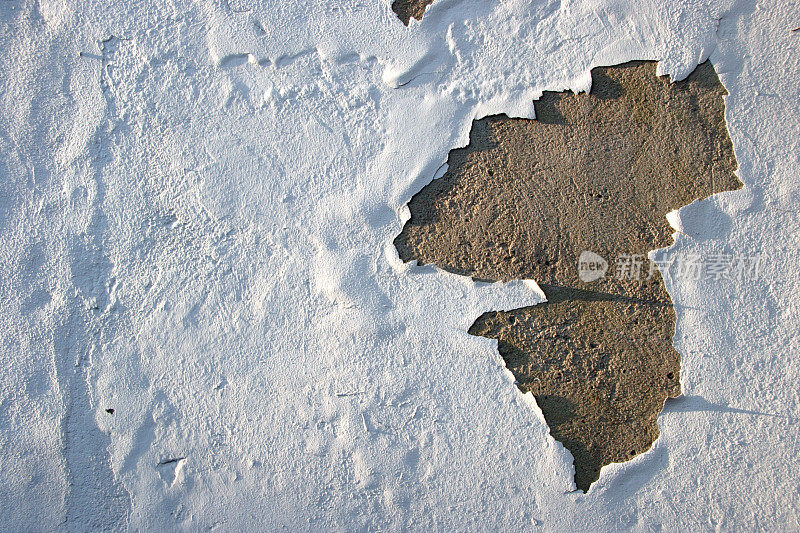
[[558, 293], [596, 173]]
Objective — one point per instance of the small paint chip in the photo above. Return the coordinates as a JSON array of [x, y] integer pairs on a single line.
[[169, 469]]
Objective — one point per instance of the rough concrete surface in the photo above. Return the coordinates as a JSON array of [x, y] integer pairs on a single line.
[[408, 9], [594, 172]]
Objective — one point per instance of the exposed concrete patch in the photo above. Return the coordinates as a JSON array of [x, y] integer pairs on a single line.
[[408, 9], [595, 172]]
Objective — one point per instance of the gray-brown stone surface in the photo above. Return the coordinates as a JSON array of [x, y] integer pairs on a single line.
[[408, 9], [594, 172]]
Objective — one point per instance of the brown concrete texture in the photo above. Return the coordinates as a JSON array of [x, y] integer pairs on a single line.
[[408, 9], [594, 172]]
